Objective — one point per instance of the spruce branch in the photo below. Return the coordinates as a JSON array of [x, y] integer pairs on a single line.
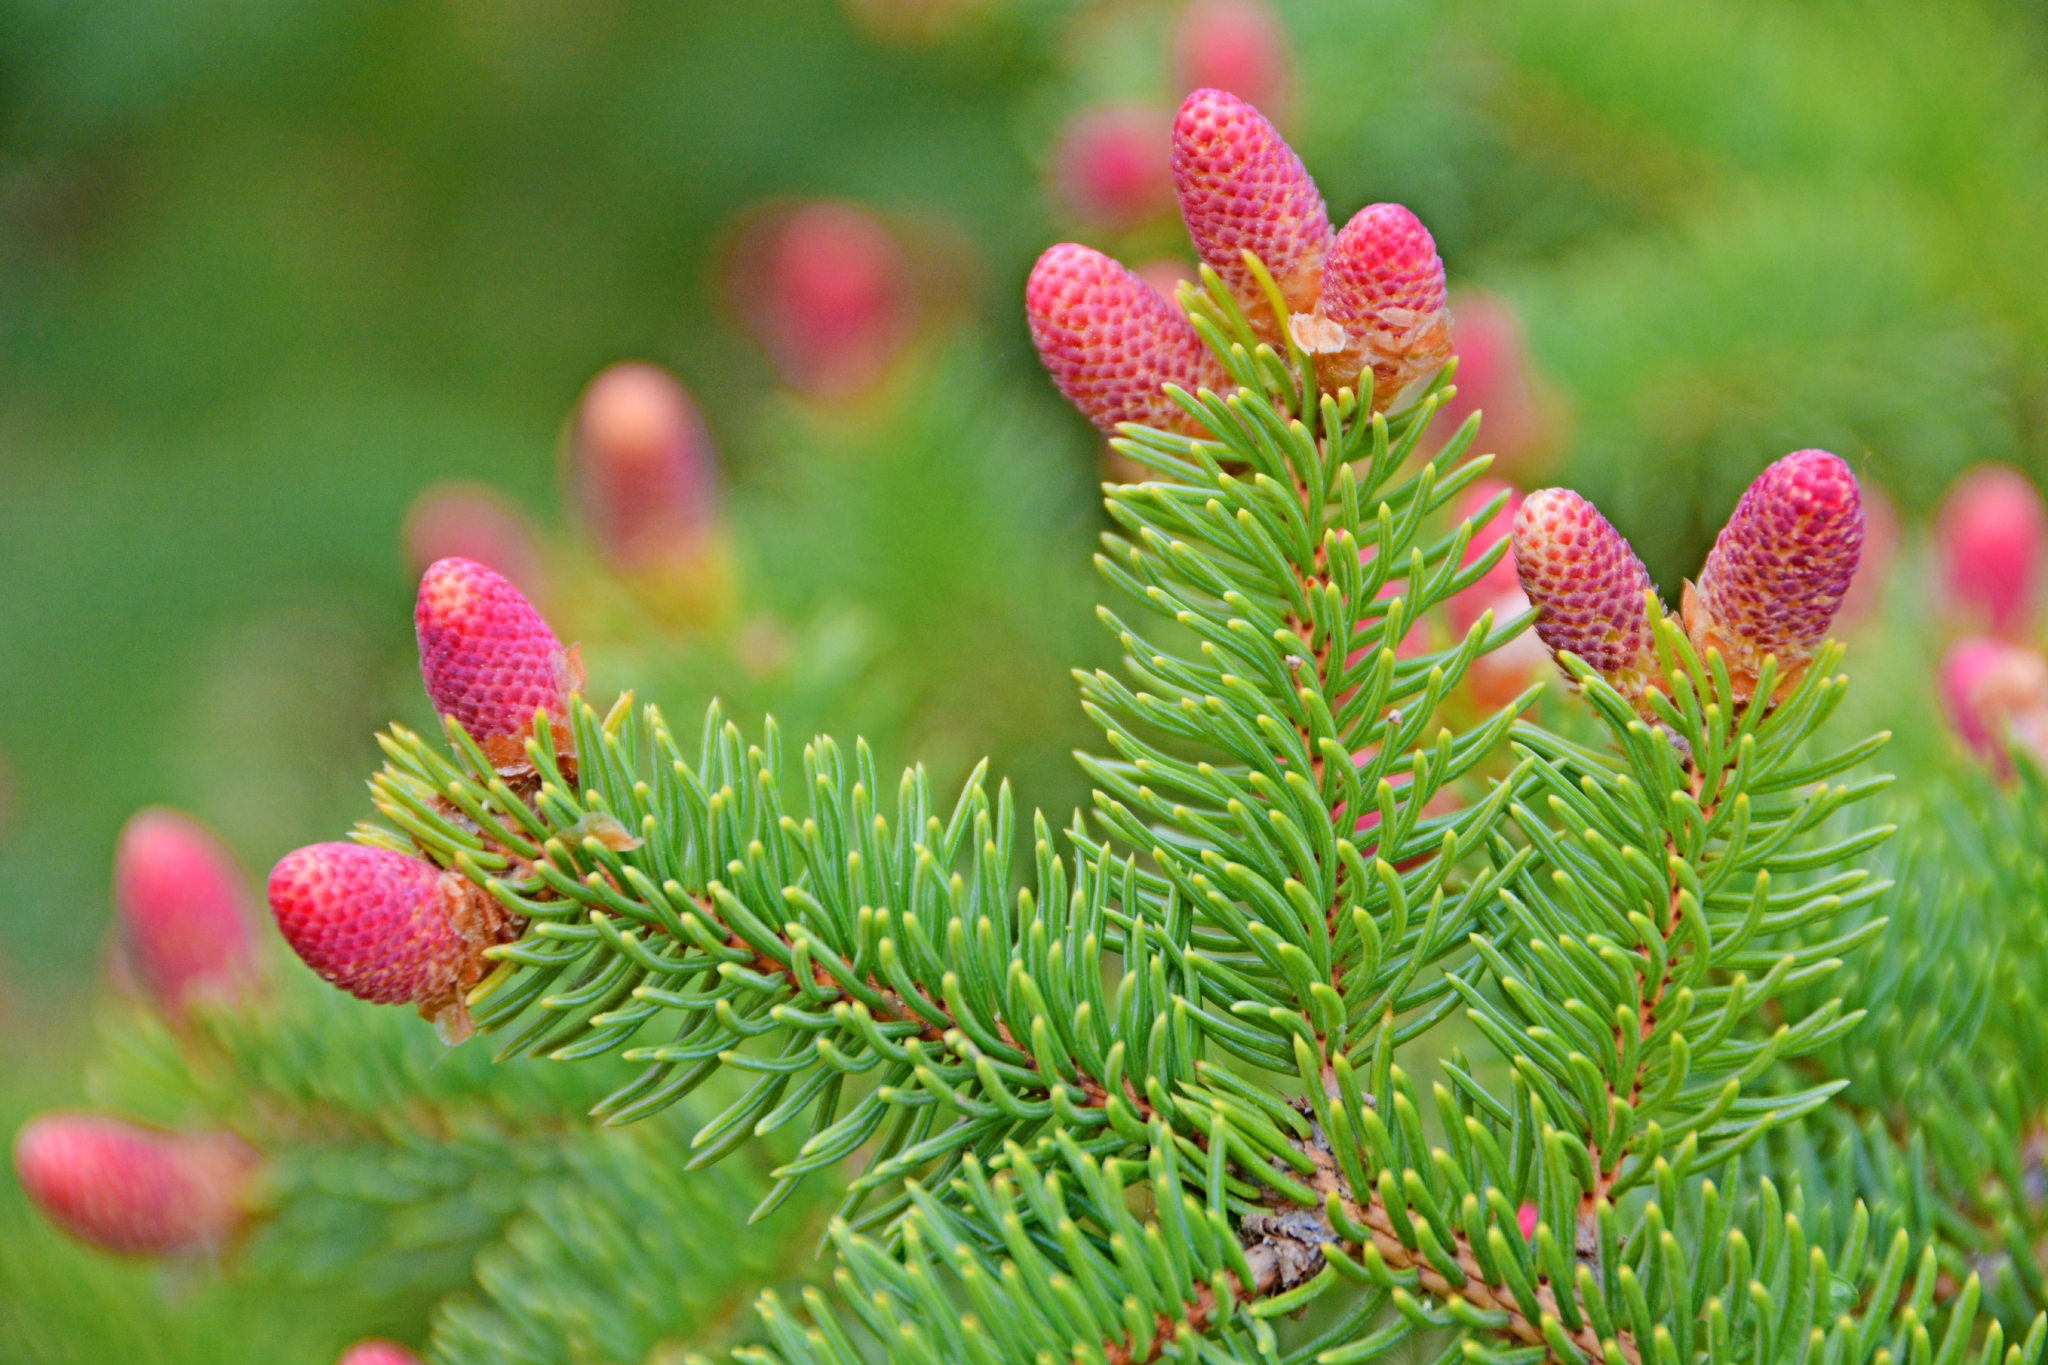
[[1209, 1040]]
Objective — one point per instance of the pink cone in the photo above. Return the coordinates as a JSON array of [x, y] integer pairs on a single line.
[[377, 1353], [1109, 166], [826, 292], [470, 521], [387, 928], [1996, 693], [1110, 342], [1587, 587], [1234, 45], [643, 469], [1242, 188], [1778, 572], [131, 1190], [186, 916], [487, 657], [1990, 547], [1383, 287]]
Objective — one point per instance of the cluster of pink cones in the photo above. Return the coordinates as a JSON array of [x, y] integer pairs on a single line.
[[1367, 297], [395, 929], [1990, 559], [1770, 588], [381, 925]]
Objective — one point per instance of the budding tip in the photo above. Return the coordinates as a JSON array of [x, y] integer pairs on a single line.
[[1592, 596], [186, 916], [1110, 342], [1242, 188], [131, 1190], [487, 657], [1779, 569]]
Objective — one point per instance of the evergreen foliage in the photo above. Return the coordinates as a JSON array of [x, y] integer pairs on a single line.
[[1150, 1103], [1714, 1073]]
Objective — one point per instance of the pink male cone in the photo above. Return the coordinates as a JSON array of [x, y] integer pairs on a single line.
[[488, 659], [1382, 305], [1587, 587], [1996, 694], [1991, 548], [1109, 167], [1778, 571], [186, 916], [1234, 45], [1241, 189], [131, 1190], [1110, 342], [377, 1353], [387, 928]]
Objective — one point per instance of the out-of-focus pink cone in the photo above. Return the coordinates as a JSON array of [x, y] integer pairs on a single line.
[[1779, 569], [1526, 1218], [1110, 342], [1587, 587], [825, 290], [1496, 378], [1465, 607], [1996, 694], [487, 657], [1109, 166], [1241, 189], [1234, 45], [1990, 547], [1873, 570], [132, 1190], [470, 521], [1382, 305], [643, 469], [387, 928], [186, 916], [377, 1353]]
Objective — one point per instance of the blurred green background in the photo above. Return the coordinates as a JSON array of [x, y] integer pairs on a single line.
[[268, 270]]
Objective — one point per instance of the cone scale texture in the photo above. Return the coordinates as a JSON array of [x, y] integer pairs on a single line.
[[1383, 287], [387, 928], [1587, 587], [1110, 341], [1779, 569], [488, 659], [1242, 188]]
